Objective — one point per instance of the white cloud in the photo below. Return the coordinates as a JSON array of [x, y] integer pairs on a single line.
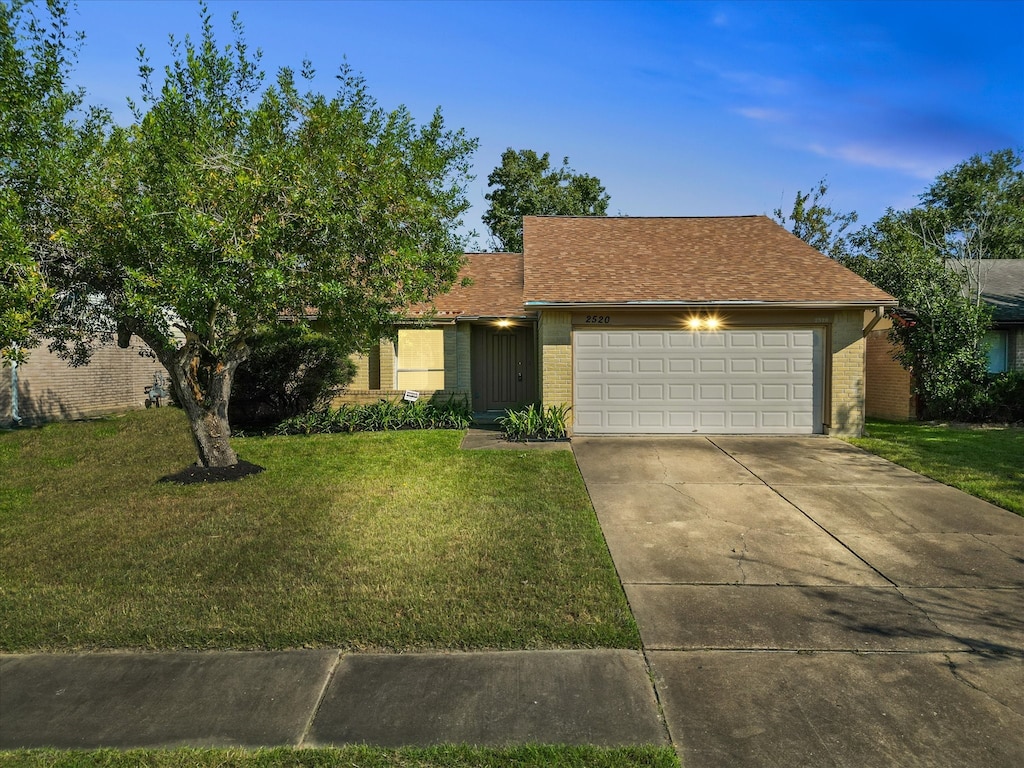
[[764, 114], [889, 158]]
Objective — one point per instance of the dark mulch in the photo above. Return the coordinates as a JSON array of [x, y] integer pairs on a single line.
[[200, 474]]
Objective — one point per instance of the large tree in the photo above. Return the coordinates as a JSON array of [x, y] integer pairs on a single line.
[[939, 329], [230, 203], [813, 221], [526, 185], [37, 156]]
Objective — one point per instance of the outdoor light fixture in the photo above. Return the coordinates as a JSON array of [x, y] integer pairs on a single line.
[[704, 322], [504, 323]]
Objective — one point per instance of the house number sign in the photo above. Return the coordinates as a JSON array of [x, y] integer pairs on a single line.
[[598, 319]]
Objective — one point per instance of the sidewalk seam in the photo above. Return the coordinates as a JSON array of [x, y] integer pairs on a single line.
[[319, 700]]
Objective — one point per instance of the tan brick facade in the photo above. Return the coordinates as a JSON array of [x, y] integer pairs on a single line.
[[374, 379], [555, 337], [48, 389], [889, 393], [847, 373]]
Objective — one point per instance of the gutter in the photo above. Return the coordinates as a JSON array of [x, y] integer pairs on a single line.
[[710, 304]]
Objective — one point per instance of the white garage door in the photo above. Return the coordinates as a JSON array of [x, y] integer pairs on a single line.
[[757, 381]]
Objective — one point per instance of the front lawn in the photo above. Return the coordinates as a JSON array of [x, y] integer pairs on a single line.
[[352, 757], [389, 541], [987, 462]]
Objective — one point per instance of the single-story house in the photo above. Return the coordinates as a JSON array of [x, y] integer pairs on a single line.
[[890, 387], [646, 326]]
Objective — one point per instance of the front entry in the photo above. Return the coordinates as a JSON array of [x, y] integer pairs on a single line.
[[503, 367]]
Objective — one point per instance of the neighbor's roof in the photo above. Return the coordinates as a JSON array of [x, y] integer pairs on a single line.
[[495, 290], [734, 259], [1002, 286]]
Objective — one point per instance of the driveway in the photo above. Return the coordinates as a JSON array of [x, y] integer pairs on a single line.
[[804, 603]]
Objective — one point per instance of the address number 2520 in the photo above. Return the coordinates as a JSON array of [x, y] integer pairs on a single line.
[[598, 319]]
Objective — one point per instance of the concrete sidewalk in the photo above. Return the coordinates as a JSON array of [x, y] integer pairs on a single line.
[[805, 603], [325, 697]]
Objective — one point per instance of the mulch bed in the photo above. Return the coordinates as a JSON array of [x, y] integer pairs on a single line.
[[200, 474]]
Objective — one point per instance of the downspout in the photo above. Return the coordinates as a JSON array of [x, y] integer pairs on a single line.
[[15, 417], [879, 314]]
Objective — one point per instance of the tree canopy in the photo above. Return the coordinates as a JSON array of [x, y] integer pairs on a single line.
[[229, 204], [38, 151], [813, 221], [526, 185], [929, 257]]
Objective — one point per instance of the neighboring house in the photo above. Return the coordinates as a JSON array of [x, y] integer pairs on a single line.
[[646, 326], [48, 389], [890, 386], [1002, 287]]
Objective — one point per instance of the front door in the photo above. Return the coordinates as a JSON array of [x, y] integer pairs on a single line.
[[503, 367]]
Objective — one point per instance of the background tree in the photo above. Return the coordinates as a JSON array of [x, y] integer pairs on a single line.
[[813, 221], [229, 203], [526, 185], [941, 337], [37, 137], [973, 212]]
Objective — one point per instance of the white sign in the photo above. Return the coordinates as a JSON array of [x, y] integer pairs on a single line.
[[411, 396]]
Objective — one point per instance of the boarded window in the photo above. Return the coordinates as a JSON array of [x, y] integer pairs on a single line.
[[420, 359]]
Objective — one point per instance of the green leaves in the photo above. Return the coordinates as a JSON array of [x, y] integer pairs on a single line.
[[526, 186], [814, 222]]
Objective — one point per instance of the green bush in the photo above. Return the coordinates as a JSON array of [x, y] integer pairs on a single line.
[[536, 423], [290, 371], [381, 416]]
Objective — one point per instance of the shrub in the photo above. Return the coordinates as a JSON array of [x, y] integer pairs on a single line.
[[381, 416], [290, 371], [536, 423]]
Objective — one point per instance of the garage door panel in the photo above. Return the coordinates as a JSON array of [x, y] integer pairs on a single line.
[[621, 392], [682, 364], [650, 393], [672, 381]]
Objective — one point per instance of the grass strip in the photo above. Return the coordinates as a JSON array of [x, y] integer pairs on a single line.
[[352, 757], [984, 461]]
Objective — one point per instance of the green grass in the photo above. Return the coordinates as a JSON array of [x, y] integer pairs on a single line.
[[383, 541], [987, 462], [352, 757]]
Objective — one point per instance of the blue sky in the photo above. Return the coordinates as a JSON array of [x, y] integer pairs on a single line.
[[681, 109]]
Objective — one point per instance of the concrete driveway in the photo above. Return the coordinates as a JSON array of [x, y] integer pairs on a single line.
[[804, 603]]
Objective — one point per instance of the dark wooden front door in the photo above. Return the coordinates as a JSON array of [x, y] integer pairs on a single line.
[[503, 367]]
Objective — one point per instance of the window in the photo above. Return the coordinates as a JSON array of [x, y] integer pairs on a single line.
[[420, 364], [996, 341]]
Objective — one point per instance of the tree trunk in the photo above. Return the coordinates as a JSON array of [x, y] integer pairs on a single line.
[[201, 384]]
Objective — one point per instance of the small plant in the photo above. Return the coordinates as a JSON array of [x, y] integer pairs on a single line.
[[536, 423]]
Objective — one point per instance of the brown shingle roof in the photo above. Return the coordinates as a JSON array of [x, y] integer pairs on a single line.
[[681, 260], [496, 289]]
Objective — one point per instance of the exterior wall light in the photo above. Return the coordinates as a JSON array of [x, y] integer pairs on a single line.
[[504, 323], [704, 322]]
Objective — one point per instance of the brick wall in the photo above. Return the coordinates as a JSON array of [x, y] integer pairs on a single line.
[[847, 373], [555, 334], [49, 390], [889, 385], [1017, 350], [375, 373]]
